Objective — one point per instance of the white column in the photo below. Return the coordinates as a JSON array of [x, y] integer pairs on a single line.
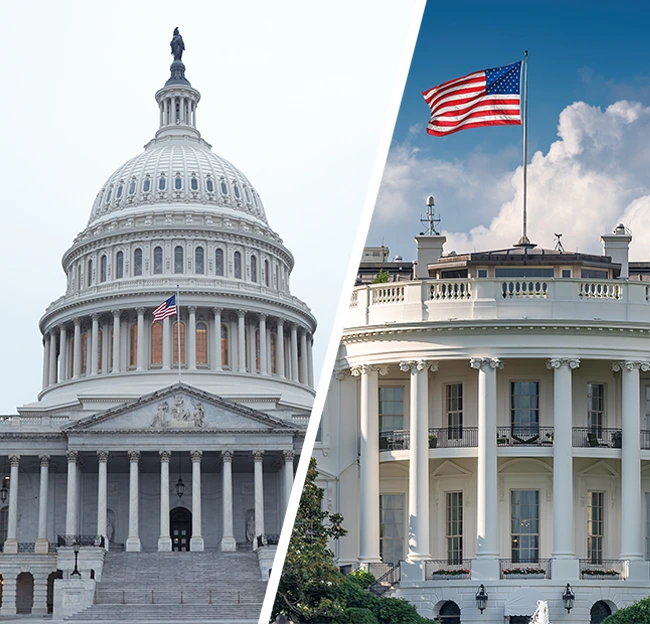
[[288, 476], [52, 373], [419, 548], [294, 353], [279, 348], [263, 355], [94, 345], [258, 458], [228, 543], [11, 544], [196, 541], [165, 540], [76, 357], [303, 357], [105, 348], [241, 341], [133, 540], [63, 354], [167, 344], [71, 510], [564, 565], [486, 565], [141, 358], [102, 495], [192, 338], [369, 461], [117, 356], [218, 364], [42, 543], [252, 363], [310, 362], [46, 360]]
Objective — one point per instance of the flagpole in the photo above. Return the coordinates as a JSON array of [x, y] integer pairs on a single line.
[[524, 241], [178, 336]]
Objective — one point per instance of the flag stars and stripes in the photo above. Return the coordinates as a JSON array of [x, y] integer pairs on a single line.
[[165, 309]]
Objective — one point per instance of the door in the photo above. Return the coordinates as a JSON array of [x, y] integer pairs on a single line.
[[180, 526]]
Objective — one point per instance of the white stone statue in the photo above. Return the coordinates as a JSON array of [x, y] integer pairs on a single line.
[[161, 419], [250, 530]]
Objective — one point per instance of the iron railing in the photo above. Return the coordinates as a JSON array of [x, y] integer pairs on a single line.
[[645, 439], [442, 569], [610, 568], [524, 436], [521, 569], [80, 540], [26, 547], [386, 581], [453, 437], [395, 440], [597, 437]]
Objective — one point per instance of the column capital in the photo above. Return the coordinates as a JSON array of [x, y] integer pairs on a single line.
[[489, 362], [14, 460], [262, 316], [77, 322], [134, 457], [116, 313], [364, 369], [555, 363], [217, 310], [226, 456], [72, 457], [140, 310], [165, 456], [279, 322], [258, 456], [45, 460], [94, 316], [241, 313], [196, 456], [102, 456], [631, 365], [288, 456], [341, 374], [192, 309], [418, 365]]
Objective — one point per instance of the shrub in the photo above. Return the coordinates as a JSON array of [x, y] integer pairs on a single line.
[[355, 615], [636, 613]]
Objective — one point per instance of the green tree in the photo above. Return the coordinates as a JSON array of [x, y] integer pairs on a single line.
[[382, 277], [636, 613]]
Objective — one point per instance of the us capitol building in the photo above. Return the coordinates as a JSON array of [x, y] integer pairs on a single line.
[[486, 435], [121, 484]]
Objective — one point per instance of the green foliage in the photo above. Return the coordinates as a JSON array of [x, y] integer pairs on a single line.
[[382, 277], [398, 611], [361, 578], [636, 613], [355, 615]]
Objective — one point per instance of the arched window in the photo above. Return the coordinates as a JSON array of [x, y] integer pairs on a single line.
[[178, 183], [156, 343], [178, 259], [162, 183], [182, 333], [274, 354], [84, 353], [224, 345], [146, 187], [237, 265], [120, 188], [103, 267], [224, 187], [449, 613], [599, 612], [209, 185], [132, 187], [218, 262], [119, 265], [133, 345], [248, 197], [157, 261], [89, 274], [201, 344], [254, 268], [267, 281], [237, 193], [108, 195], [137, 262], [79, 277], [199, 267], [100, 345], [194, 183]]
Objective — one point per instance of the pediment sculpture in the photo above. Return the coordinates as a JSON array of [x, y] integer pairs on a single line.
[[178, 415]]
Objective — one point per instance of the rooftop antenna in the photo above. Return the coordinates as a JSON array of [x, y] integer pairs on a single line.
[[430, 220], [558, 243]]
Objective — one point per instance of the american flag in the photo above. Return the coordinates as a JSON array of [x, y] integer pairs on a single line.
[[491, 97], [165, 309]]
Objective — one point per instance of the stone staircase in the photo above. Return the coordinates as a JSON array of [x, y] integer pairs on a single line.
[[177, 587]]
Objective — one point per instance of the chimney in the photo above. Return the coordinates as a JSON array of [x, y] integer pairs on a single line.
[[617, 246], [429, 252]]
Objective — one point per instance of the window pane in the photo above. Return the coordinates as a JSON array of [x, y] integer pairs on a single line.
[[133, 345], [198, 261], [237, 265], [455, 411], [596, 408], [454, 528], [119, 265], [175, 347], [156, 343], [595, 526], [201, 344], [391, 527], [157, 260], [524, 525], [224, 346], [391, 408], [178, 259], [524, 409], [253, 269], [218, 258], [137, 262]]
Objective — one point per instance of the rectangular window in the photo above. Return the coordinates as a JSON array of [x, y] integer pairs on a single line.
[[595, 526], [391, 527], [391, 413], [482, 273], [454, 528], [524, 526], [524, 272], [454, 394], [524, 410], [593, 274], [596, 408], [566, 273]]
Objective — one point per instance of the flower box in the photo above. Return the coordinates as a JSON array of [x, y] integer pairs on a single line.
[[524, 573], [459, 574], [600, 574]]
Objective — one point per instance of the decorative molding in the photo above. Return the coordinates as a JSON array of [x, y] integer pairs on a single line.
[[556, 363], [14, 460], [491, 362], [165, 456], [45, 460], [72, 456], [226, 456], [134, 457], [288, 456], [102, 456], [419, 365], [258, 456], [631, 365], [196, 456], [364, 369]]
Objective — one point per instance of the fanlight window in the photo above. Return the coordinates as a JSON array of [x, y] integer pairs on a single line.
[[103, 266], [119, 265], [157, 260], [156, 343], [137, 262], [218, 262], [178, 259], [254, 268], [209, 185], [237, 265], [182, 333], [201, 344], [146, 187], [199, 264]]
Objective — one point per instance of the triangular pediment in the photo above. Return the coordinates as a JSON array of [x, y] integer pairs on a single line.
[[180, 408]]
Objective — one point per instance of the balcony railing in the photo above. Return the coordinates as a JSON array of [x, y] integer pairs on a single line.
[[444, 437], [605, 568], [519, 570], [80, 540], [645, 440], [524, 436], [395, 440], [439, 569], [596, 437]]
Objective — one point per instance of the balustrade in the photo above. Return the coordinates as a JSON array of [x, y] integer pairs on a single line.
[[597, 437]]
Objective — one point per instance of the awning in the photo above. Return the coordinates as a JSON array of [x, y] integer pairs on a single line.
[[522, 602]]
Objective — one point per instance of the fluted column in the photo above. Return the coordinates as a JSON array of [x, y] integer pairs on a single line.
[[192, 338], [303, 357], [258, 458], [63, 354], [564, 565], [106, 347], [218, 364], [165, 540], [294, 353], [102, 495], [288, 457], [167, 344], [52, 374], [117, 342], [310, 362], [419, 548], [196, 541], [133, 540], [228, 543], [76, 357], [94, 345], [11, 544], [46, 360], [241, 341], [263, 353], [486, 565], [279, 348], [141, 359], [42, 543], [369, 460], [71, 505], [252, 352]]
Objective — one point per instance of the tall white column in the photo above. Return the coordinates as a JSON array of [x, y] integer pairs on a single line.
[[141, 359], [46, 360], [94, 345], [419, 548], [258, 458], [165, 540], [192, 338], [252, 355], [167, 344], [263, 354], [102, 495], [486, 565], [76, 356], [564, 565], [279, 348], [310, 362], [52, 375], [196, 541], [228, 543], [11, 544], [71, 505], [117, 356], [288, 476], [42, 543], [369, 461], [294, 353], [218, 364], [63, 354], [303, 358], [133, 540], [105, 350], [241, 341]]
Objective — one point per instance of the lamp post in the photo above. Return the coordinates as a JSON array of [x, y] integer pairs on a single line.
[[568, 598], [481, 598], [180, 486], [76, 572]]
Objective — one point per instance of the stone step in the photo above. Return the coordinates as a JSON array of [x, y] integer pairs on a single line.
[[164, 613]]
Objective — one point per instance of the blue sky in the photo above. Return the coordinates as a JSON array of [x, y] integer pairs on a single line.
[[596, 56]]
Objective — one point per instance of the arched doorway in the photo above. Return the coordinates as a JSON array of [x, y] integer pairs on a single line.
[[24, 593], [449, 613], [180, 528], [599, 611]]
